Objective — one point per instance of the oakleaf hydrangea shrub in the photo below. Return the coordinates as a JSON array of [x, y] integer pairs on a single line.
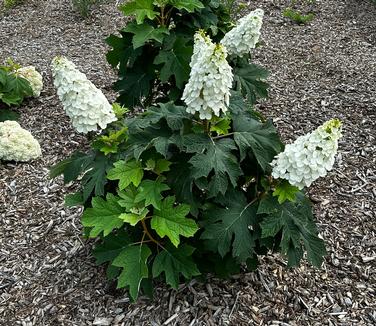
[[16, 84], [33, 77], [195, 180]]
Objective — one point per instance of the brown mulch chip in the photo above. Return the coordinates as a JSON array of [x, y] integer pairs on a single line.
[[319, 71]]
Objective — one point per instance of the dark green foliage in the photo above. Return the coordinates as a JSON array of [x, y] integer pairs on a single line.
[[175, 57], [295, 220], [227, 227], [171, 196], [92, 167], [172, 262], [249, 80]]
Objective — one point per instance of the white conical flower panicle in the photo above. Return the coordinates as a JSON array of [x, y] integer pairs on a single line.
[[245, 35], [16, 143], [33, 77], [310, 156], [210, 80], [85, 104]]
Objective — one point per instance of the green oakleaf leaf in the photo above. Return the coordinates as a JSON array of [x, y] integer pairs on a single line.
[[128, 198], [134, 218], [13, 89], [11, 99], [295, 220], [259, 138], [237, 103], [103, 216], [157, 136], [7, 114], [150, 191], [217, 158], [171, 221], [175, 59], [75, 199], [158, 166], [109, 143], [133, 260], [173, 262], [139, 8], [127, 173], [188, 5], [145, 32], [111, 246], [250, 81], [173, 114], [222, 126], [135, 81], [93, 166], [285, 191], [161, 166], [181, 180], [122, 52], [229, 227], [71, 167], [95, 176]]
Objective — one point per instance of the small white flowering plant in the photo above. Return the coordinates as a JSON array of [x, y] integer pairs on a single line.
[[33, 77], [195, 181], [16, 84], [17, 144]]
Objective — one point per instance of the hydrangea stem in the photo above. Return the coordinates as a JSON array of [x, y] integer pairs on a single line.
[[146, 231], [206, 126]]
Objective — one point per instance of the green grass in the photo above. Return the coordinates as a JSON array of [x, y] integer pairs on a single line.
[[7, 4], [297, 17], [83, 6]]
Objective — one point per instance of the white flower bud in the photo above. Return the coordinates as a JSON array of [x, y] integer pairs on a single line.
[[245, 35], [16, 143], [85, 104], [310, 156]]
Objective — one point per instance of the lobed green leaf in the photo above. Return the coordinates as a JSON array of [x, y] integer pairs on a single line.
[[175, 261], [103, 216], [171, 221], [133, 260]]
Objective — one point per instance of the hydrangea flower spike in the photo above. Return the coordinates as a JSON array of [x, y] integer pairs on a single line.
[[245, 35], [85, 104], [311, 156], [208, 89]]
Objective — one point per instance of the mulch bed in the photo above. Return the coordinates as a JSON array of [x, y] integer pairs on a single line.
[[319, 71]]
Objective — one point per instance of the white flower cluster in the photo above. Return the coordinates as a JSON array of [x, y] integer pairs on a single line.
[[310, 156], [33, 77], [85, 104], [16, 143], [210, 80], [244, 37]]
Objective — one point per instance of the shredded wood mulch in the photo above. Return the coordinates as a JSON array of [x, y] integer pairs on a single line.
[[319, 71]]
